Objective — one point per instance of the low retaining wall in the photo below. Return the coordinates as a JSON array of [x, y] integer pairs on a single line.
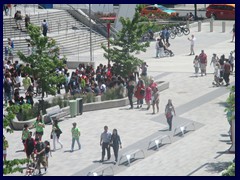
[[18, 125]]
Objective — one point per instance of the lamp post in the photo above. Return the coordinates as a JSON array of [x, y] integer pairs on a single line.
[[90, 25], [108, 36]]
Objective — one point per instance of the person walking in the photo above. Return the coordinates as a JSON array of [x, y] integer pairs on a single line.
[[7, 86], [25, 134], [233, 31], [155, 99], [5, 146], [157, 48], [226, 72], [39, 125], [192, 42], [56, 132], [196, 65], [47, 151], [41, 156], [148, 96], [203, 62], [75, 136], [44, 27], [130, 92], [115, 143], [231, 60], [161, 48], [30, 146], [169, 110], [139, 93], [214, 60], [104, 142]]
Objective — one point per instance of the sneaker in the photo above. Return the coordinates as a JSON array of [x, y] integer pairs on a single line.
[[115, 162]]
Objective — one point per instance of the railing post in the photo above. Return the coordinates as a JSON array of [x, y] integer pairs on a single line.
[[38, 18], [58, 26], [223, 26], [211, 25], [199, 26]]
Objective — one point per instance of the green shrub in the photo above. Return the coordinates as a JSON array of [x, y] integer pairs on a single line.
[[113, 93], [230, 171]]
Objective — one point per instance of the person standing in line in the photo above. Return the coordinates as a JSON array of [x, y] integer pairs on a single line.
[[75, 136], [203, 62], [233, 31], [226, 72], [169, 110], [130, 92], [39, 125], [25, 135], [155, 100], [44, 27], [30, 146], [157, 48], [115, 143], [56, 132], [104, 142], [148, 96], [41, 157], [5, 146], [192, 42], [196, 65]]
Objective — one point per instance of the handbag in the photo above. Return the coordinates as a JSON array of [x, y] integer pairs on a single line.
[[168, 115]]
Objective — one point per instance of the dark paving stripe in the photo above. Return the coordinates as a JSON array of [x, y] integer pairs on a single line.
[[197, 169]]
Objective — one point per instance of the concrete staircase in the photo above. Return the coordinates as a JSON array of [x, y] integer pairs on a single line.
[[71, 35]]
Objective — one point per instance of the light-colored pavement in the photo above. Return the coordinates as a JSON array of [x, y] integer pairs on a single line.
[[198, 153]]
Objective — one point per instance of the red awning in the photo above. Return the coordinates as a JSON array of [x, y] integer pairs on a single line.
[[108, 18]]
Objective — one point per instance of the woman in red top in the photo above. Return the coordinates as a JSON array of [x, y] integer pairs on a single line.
[[139, 93]]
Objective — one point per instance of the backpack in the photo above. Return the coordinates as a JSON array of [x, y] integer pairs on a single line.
[[12, 44]]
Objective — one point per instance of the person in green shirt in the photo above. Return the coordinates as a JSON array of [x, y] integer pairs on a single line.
[[5, 146], [25, 134], [39, 125], [75, 136], [26, 82]]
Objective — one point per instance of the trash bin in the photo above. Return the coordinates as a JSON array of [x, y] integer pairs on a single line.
[[79, 106], [73, 108]]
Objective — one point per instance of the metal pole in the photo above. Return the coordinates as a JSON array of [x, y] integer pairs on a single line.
[[58, 26], [90, 32], [34, 9], [223, 26], [78, 48]]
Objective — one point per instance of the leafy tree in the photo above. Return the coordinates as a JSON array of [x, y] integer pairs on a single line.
[[127, 42], [43, 61], [12, 166]]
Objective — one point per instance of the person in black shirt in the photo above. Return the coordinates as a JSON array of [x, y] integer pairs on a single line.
[[115, 143], [130, 89]]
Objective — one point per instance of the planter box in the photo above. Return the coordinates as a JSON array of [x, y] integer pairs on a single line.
[[18, 125]]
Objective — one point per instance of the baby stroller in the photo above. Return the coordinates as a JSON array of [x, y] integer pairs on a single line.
[[31, 169], [167, 51], [218, 81]]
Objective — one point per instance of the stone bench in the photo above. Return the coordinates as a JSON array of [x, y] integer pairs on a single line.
[[183, 128], [56, 113], [100, 170], [158, 140], [130, 154]]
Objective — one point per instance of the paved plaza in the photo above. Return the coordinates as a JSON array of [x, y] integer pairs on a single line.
[[200, 152]]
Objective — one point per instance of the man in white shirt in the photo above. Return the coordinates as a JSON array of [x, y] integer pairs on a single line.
[[192, 41], [104, 142]]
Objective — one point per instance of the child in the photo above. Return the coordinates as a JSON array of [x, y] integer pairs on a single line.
[[5, 146], [47, 151]]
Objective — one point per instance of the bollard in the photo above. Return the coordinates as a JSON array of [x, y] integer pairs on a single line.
[[199, 26], [223, 26], [211, 25], [188, 24]]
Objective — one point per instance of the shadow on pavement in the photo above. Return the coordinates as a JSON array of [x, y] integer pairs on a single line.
[[217, 167]]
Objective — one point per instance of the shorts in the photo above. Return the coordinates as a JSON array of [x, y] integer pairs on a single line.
[[39, 133], [41, 160], [4, 152]]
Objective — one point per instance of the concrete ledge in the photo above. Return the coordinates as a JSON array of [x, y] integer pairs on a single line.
[[18, 125], [74, 64]]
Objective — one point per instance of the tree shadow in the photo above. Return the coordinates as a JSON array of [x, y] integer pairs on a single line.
[[217, 167]]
